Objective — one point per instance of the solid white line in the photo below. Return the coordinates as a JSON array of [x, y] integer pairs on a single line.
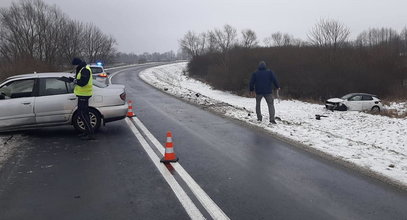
[[186, 202], [132, 65], [205, 200], [114, 74]]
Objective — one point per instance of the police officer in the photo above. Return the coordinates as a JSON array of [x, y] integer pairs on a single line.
[[84, 90]]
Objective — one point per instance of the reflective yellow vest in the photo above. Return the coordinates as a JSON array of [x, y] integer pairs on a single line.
[[86, 90]]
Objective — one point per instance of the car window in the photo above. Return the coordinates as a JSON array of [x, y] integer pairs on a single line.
[[18, 89], [356, 98], [346, 97], [96, 70], [367, 98], [52, 86]]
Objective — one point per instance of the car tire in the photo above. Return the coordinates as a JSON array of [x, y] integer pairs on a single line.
[[375, 109], [95, 119]]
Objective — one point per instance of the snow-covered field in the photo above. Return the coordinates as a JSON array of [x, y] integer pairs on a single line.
[[375, 144]]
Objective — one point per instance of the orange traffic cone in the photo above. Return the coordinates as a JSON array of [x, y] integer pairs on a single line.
[[130, 110], [169, 155]]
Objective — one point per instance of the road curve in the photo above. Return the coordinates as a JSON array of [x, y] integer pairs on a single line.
[[252, 175]]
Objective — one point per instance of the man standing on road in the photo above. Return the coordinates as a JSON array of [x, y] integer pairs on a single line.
[[83, 90], [261, 82]]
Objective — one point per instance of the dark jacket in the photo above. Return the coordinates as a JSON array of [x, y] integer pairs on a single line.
[[262, 81], [85, 74]]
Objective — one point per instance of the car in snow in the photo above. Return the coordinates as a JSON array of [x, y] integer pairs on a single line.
[[355, 102], [37, 100]]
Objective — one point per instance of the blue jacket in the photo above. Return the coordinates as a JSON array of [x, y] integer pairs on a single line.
[[262, 80]]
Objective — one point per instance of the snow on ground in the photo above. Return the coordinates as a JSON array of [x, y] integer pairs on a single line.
[[374, 143], [399, 107]]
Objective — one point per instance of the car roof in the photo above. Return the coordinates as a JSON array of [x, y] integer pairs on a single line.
[[40, 75], [95, 65], [361, 94]]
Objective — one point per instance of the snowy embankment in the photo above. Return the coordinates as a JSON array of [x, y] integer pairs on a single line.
[[375, 144]]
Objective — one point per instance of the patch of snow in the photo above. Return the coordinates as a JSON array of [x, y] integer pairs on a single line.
[[399, 107], [373, 142]]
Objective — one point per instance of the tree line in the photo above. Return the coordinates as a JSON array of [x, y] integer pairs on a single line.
[[132, 58], [38, 37], [327, 64]]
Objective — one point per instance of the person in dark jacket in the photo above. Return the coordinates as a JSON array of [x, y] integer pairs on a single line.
[[84, 90], [262, 82]]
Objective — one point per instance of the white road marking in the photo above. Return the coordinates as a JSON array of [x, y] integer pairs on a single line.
[[201, 195], [114, 74], [186, 202], [132, 65]]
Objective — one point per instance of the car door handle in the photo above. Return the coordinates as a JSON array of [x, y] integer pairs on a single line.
[[72, 98], [26, 103]]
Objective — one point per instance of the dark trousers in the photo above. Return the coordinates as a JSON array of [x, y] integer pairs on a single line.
[[83, 110], [270, 103]]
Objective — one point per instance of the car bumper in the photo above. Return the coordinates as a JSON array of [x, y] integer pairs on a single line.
[[331, 106], [113, 113], [335, 106]]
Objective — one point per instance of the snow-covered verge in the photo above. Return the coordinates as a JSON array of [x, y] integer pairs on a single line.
[[400, 108], [375, 144]]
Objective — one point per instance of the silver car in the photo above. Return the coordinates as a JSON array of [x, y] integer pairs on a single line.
[[35, 100], [355, 102]]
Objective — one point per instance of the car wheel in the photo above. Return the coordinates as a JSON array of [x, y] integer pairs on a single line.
[[376, 109], [95, 120]]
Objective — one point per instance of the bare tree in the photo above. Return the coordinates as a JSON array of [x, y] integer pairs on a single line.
[[96, 44], [212, 42], [193, 44], [329, 33], [249, 39], [32, 29], [225, 38], [376, 36], [403, 39], [279, 39]]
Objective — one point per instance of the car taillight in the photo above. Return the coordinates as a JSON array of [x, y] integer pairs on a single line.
[[102, 75], [123, 96]]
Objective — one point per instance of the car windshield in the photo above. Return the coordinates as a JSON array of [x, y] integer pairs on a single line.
[[96, 70], [99, 84], [346, 97]]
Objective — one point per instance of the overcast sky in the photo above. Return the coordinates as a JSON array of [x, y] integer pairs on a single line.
[[156, 26]]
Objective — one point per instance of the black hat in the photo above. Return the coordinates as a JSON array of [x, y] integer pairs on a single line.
[[262, 65], [76, 61]]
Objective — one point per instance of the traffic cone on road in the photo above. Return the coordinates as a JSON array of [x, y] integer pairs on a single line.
[[169, 155], [130, 110]]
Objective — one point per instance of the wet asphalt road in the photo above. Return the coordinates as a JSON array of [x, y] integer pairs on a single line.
[[248, 173]]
